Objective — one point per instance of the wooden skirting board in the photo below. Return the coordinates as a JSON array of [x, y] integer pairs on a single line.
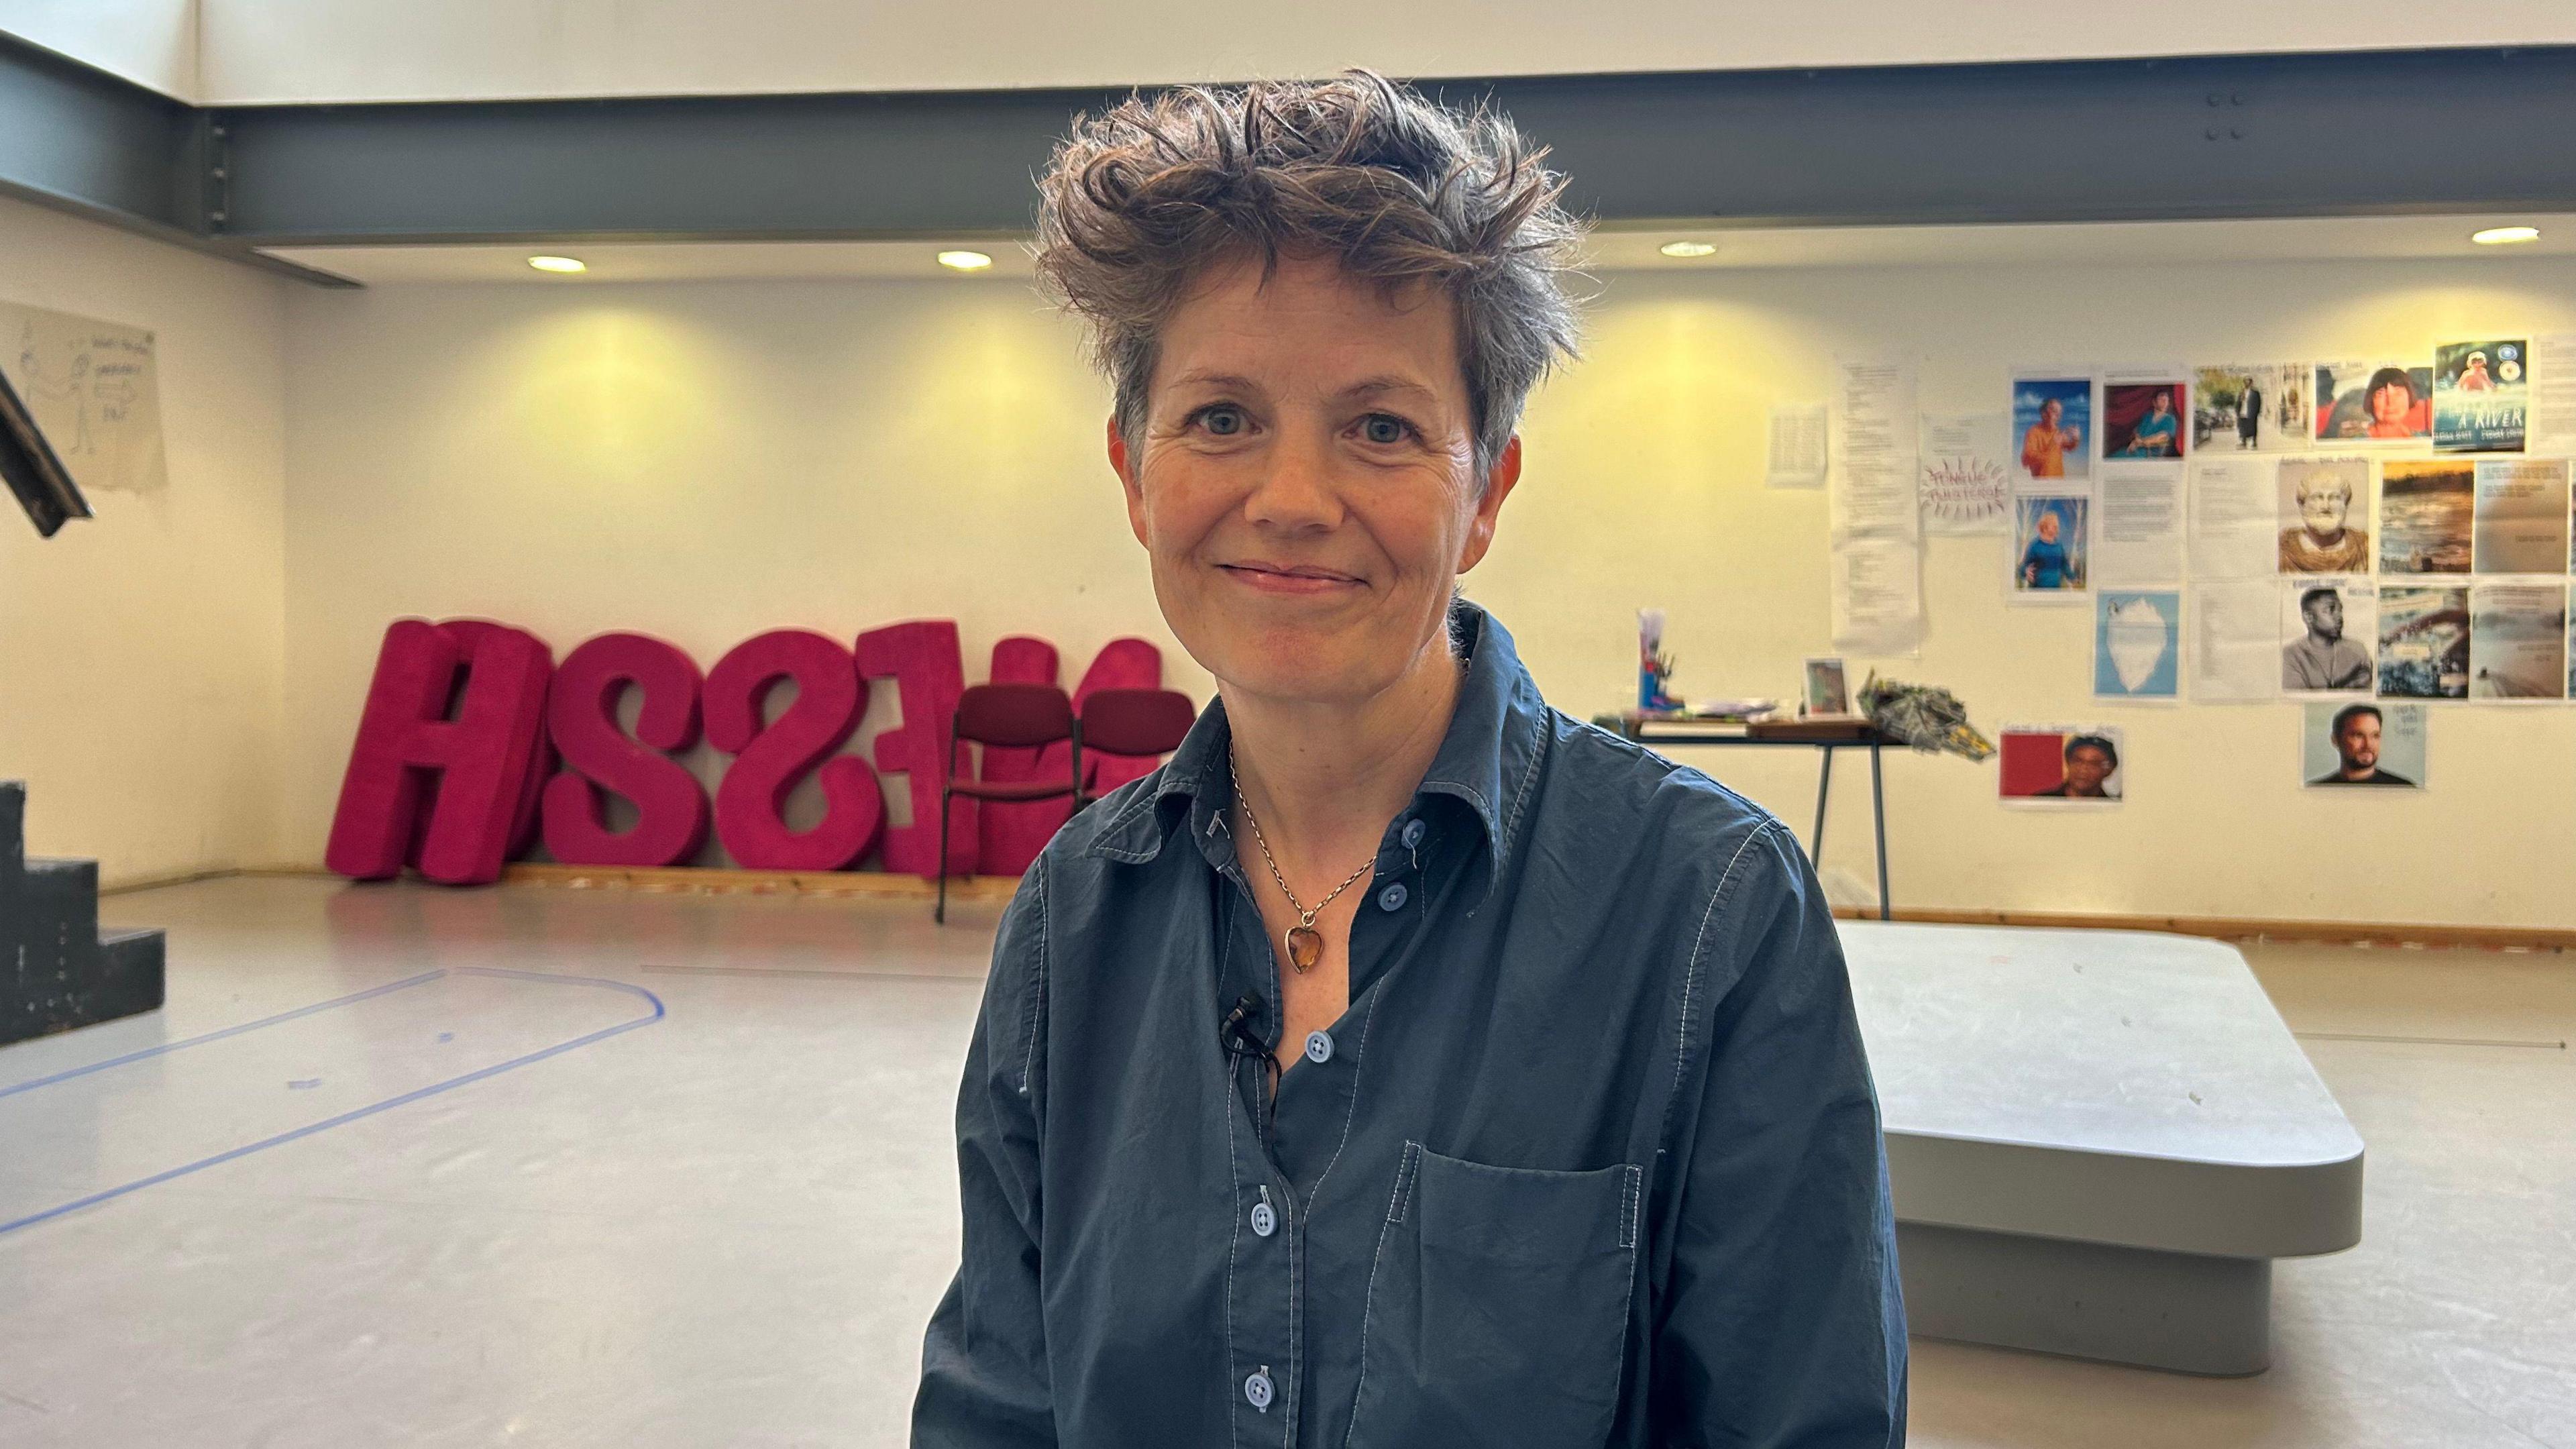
[[706, 880], [2246, 928]]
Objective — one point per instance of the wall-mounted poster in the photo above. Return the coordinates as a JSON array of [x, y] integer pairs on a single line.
[[2481, 396], [2522, 521], [2518, 641], [1967, 472], [2571, 641], [2364, 744], [2143, 420], [2426, 507], [2373, 402], [2250, 407], [2322, 503], [95, 390], [2065, 766], [2052, 547], [2137, 645], [2235, 641], [2327, 627], [2423, 641], [2052, 427]]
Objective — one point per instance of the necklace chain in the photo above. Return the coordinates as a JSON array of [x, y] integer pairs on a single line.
[[1305, 916]]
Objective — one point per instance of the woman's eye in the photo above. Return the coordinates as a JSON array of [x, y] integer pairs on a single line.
[[1383, 428], [1223, 422]]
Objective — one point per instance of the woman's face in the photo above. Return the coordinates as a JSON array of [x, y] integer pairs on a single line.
[[1304, 482], [2390, 402], [2161, 403]]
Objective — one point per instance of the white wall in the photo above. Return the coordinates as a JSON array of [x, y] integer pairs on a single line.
[[369, 50], [707, 460], [141, 652], [149, 42]]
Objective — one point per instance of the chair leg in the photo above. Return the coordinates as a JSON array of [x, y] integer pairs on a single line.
[[939, 912]]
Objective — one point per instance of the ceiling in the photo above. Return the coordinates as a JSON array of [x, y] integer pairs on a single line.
[[1627, 247]]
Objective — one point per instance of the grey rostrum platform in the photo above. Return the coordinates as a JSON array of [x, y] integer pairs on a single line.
[[56, 971], [2098, 1141]]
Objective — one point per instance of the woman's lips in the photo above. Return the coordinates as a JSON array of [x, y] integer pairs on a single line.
[[1288, 579]]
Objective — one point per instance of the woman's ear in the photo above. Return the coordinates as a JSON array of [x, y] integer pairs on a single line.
[[1498, 486], [1126, 470]]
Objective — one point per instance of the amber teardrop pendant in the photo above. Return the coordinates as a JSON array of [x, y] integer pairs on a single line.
[[1305, 948]]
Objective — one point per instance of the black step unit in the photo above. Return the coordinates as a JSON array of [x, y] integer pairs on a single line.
[[57, 970]]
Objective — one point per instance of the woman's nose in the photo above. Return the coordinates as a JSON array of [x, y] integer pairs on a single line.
[[1295, 488]]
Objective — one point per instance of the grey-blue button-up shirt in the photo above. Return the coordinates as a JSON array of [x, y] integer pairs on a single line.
[[1593, 1158]]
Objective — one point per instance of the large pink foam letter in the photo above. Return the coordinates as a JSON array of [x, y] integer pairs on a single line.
[[751, 803], [1014, 832], [470, 772], [541, 762], [601, 759], [928, 669]]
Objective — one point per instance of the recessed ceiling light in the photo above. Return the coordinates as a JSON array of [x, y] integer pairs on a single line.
[[964, 261], [2504, 236], [564, 265], [1688, 249]]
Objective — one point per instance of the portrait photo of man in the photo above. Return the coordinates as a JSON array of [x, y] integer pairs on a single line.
[[2356, 734], [2322, 540], [2324, 658]]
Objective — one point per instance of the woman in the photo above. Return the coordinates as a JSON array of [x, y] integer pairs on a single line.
[[2159, 433], [1403, 1063]]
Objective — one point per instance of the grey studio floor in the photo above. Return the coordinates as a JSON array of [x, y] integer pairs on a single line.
[[610, 1168]]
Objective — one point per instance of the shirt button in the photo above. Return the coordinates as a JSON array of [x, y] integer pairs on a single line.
[[1264, 1221], [1319, 1046], [1412, 834], [1256, 1391], [1393, 897]]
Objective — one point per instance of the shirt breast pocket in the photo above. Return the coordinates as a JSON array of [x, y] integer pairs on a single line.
[[1497, 1307]]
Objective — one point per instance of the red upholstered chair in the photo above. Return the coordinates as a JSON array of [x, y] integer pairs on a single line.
[[1140, 722], [1018, 716]]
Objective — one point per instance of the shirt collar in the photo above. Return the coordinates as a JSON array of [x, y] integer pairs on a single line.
[[1487, 762]]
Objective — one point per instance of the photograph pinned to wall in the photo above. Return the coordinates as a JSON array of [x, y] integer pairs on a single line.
[[2052, 426], [2481, 396], [2373, 402], [2232, 518], [2571, 641], [1828, 690], [2323, 504], [1966, 472], [2052, 547], [2235, 655], [2137, 645], [2522, 520], [2427, 510], [2423, 641], [2062, 766], [2143, 420], [2327, 628], [2365, 744], [2518, 641], [2250, 407]]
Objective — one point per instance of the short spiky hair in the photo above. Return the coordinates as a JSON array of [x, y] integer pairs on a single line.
[[1141, 201]]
